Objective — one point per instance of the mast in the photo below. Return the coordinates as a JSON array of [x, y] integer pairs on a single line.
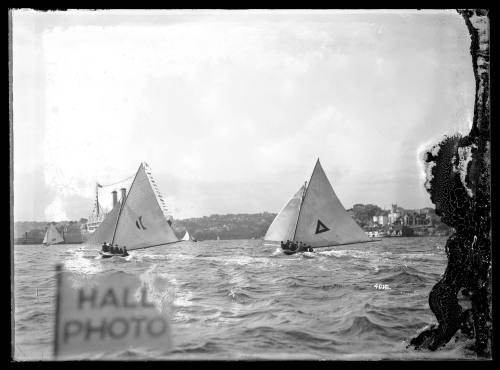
[[304, 197], [122, 205], [300, 208], [118, 219], [97, 198]]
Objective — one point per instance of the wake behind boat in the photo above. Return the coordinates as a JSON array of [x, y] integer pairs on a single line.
[[139, 220], [314, 218]]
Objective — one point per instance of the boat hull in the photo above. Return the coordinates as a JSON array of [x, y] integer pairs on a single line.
[[109, 255], [298, 250], [301, 249]]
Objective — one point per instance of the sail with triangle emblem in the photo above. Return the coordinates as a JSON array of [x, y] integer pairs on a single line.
[[316, 217]]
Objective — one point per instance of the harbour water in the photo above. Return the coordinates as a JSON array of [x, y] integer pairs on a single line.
[[241, 299]]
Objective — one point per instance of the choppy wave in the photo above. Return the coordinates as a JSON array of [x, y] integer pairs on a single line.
[[242, 300]]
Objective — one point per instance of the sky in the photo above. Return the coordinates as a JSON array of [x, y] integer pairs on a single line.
[[231, 109]]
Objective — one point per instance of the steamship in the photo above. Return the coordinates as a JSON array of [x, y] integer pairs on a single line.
[[98, 213]]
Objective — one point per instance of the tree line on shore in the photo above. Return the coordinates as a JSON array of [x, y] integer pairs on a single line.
[[228, 226]]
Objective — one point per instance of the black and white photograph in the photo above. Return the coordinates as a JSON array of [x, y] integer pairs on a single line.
[[250, 184]]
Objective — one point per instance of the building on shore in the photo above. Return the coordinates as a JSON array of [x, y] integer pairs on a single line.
[[72, 234], [30, 237], [402, 222]]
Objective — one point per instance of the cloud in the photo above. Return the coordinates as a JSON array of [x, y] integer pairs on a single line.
[[55, 210], [231, 111]]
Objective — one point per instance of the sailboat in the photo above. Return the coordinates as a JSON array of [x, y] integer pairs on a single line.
[[188, 237], [52, 236], [139, 219], [315, 216]]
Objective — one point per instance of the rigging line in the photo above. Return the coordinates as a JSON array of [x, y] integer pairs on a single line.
[[128, 178], [123, 203], [304, 193]]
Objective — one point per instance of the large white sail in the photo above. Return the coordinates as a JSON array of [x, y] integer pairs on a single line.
[[323, 221], [52, 236], [315, 216], [186, 236], [104, 233], [283, 226], [142, 221]]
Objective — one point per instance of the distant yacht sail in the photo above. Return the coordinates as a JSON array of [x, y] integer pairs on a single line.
[[138, 220], [186, 236], [52, 236], [316, 217]]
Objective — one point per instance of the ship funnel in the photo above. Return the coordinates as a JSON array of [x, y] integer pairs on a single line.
[[115, 198], [124, 193]]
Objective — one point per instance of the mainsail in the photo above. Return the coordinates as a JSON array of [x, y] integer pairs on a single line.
[[138, 221], [52, 236], [316, 217]]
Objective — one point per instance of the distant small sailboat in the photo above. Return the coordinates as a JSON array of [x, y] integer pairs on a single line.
[[188, 237], [315, 217], [140, 219], [52, 236]]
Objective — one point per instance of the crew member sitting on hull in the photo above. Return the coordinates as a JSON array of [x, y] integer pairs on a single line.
[[125, 253], [105, 247], [296, 246], [301, 247]]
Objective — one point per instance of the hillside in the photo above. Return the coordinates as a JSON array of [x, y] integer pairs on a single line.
[[231, 226]]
